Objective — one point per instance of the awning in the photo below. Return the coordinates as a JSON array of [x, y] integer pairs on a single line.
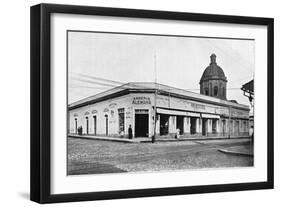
[[171, 112], [192, 114], [210, 116], [179, 113]]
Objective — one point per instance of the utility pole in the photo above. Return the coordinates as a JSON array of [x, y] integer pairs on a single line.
[[229, 115], [155, 97]]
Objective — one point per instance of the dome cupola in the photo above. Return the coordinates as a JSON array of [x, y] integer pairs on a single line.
[[213, 71], [213, 80]]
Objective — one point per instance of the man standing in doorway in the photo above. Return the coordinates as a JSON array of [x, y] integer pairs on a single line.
[[130, 132]]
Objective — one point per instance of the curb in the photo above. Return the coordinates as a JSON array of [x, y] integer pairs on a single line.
[[149, 141], [235, 153], [104, 139], [197, 139]]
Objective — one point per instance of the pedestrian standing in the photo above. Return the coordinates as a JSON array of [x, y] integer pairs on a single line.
[[177, 133], [130, 132]]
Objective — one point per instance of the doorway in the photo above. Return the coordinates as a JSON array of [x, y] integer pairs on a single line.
[[95, 124], [204, 126], [180, 124], [214, 126], [164, 124], [193, 125], [141, 123], [76, 130], [106, 125], [121, 120], [87, 125]]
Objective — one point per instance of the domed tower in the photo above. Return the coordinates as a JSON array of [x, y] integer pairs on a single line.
[[213, 81]]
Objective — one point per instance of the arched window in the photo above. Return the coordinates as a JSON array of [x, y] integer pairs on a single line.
[[215, 91], [76, 127], [206, 91], [87, 125], [223, 91]]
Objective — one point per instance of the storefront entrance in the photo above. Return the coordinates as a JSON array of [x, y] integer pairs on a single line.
[[193, 125], [204, 126], [141, 123], [164, 124], [180, 124]]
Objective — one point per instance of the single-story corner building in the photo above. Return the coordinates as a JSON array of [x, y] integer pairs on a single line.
[[156, 108]]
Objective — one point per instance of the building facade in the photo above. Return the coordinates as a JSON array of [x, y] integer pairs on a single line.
[[155, 109], [195, 115]]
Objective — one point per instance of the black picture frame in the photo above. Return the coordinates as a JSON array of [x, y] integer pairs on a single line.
[[41, 98]]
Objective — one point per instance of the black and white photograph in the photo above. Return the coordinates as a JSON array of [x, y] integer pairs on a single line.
[[143, 103], [133, 103]]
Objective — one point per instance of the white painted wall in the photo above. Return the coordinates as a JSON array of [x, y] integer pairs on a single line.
[[14, 84], [110, 108]]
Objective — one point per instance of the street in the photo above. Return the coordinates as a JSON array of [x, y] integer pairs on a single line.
[[87, 156]]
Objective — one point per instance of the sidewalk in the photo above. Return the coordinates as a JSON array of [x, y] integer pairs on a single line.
[[165, 139], [114, 139], [202, 140]]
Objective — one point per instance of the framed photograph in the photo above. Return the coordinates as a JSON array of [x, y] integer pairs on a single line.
[[133, 103]]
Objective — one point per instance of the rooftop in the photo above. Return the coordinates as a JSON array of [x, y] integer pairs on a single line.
[[248, 87], [150, 87]]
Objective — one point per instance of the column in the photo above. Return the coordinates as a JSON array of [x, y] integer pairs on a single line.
[[186, 125], [172, 124], [158, 124], [198, 125], [209, 128], [218, 126]]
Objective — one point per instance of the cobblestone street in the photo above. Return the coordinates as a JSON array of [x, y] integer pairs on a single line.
[[94, 156]]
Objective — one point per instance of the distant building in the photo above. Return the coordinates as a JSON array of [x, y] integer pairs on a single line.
[[213, 81], [208, 114], [248, 91], [251, 121]]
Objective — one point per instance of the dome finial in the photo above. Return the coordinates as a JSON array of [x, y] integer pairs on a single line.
[[213, 58]]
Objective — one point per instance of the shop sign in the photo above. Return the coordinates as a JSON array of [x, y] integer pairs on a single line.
[[198, 106], [238, 114], [141, 111], [141, 100]]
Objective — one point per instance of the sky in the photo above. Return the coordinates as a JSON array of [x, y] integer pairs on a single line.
[[101, 61]]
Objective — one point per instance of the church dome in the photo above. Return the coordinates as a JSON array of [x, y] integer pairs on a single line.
[[213, 71]]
